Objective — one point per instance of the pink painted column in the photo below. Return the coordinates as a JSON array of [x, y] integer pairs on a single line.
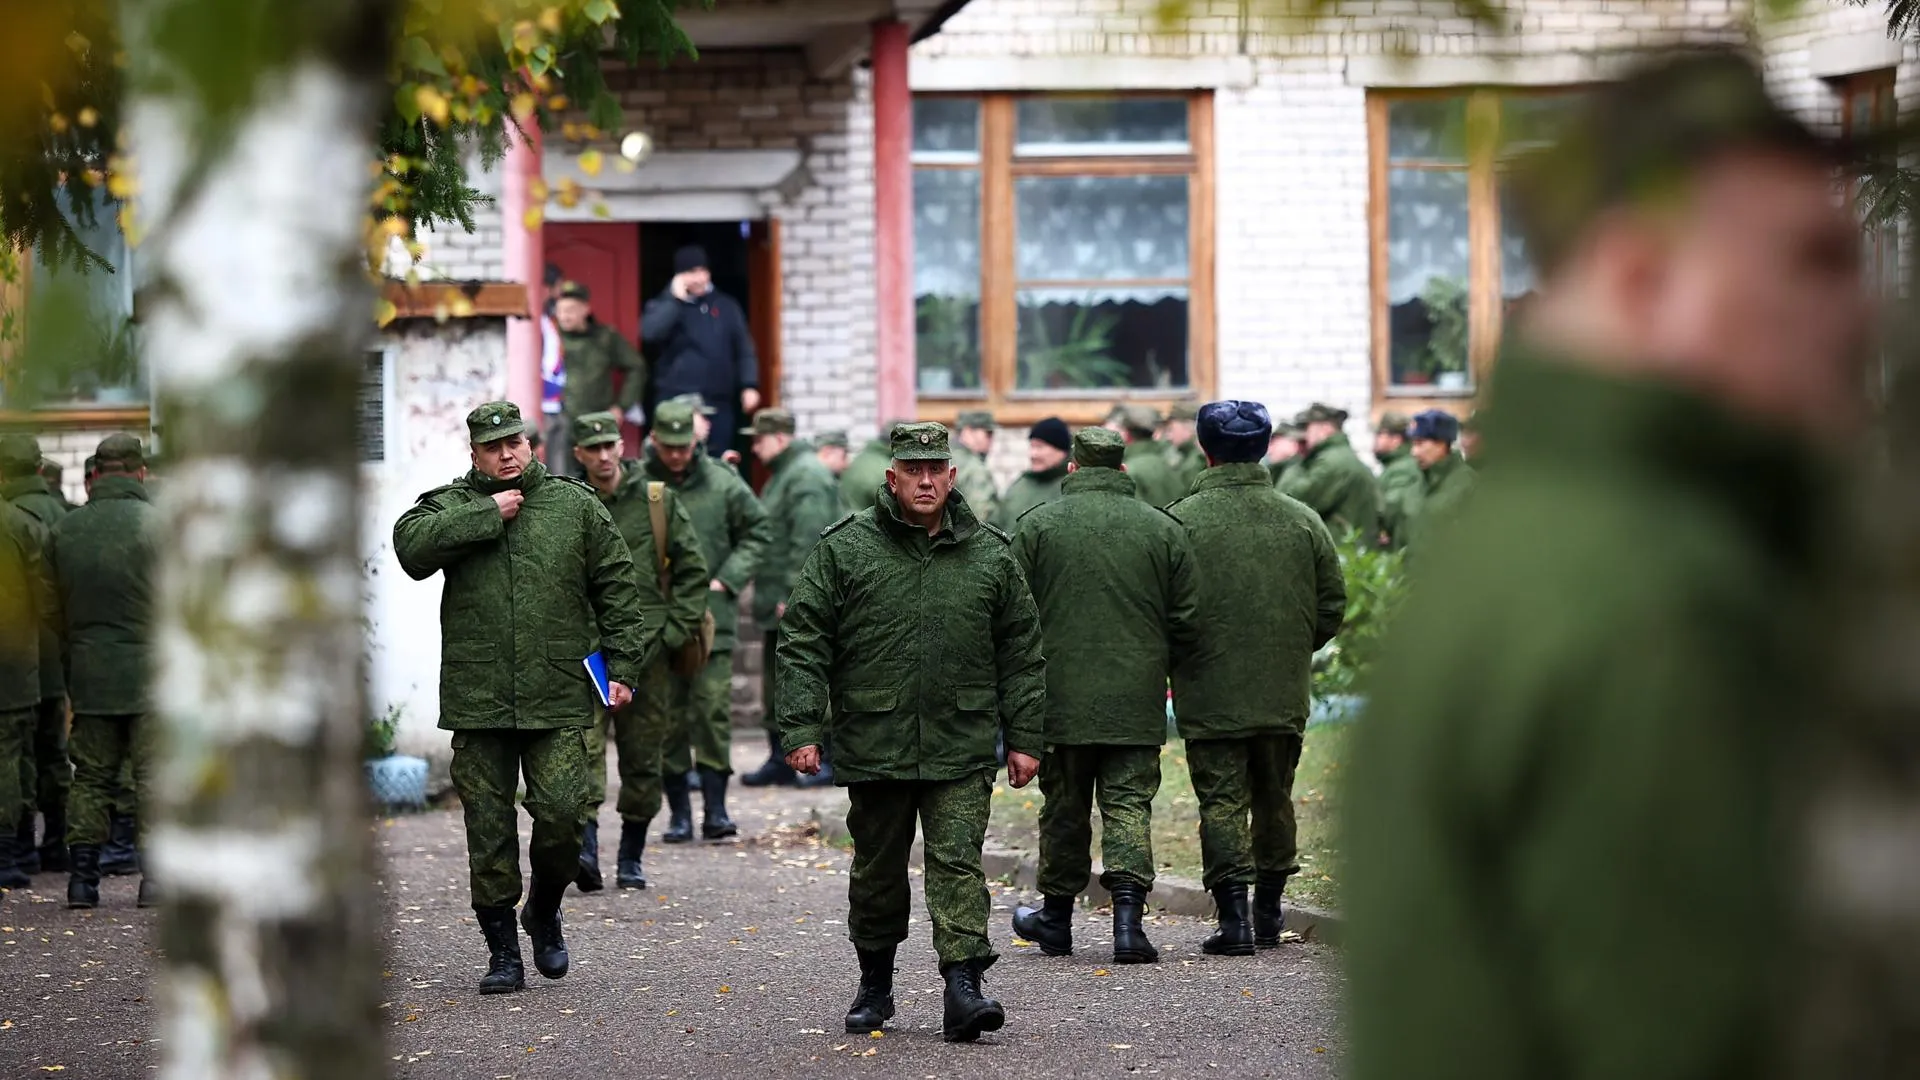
[[893, 219], [523, 249]]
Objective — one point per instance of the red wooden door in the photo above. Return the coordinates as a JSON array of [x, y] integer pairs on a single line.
[[605, 257]]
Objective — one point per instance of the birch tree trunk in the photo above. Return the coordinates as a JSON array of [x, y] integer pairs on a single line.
[[254, 128]]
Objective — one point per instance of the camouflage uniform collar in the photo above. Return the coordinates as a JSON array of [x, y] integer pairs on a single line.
[[956, 519], [117, 486], [696, 470], [1338, 438], [1405, 449], [1049, 475], [1234, 474], [1097, 479], [788, 456], [25, 485], [593, 328], [526, 482]]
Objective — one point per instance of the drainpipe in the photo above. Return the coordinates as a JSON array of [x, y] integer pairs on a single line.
[[893, 218], [523, 249]]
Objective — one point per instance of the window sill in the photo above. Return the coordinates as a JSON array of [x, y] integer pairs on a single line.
[[72, 416], [1023, 410], [1415, 390]]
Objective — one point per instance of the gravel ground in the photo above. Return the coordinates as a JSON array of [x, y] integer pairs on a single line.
[[735, 961]]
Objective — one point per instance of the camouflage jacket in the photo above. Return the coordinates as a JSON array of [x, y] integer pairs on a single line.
[[975, 481], [525, 601], [1401, 488], [733, 531], [33, 496], [801, 499], [1188, 462], [590, 358], [673, 617], [865, 475], [1339, 487], [101, 560], [920, 648], [1444, 490], [1030, 490], [1270, 585], [1114, 583], [1154, 479]]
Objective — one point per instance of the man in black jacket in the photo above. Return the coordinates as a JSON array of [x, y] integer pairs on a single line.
[[704, 346]]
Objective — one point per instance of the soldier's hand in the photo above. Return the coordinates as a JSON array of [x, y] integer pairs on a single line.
[[805, 760], [678, 287], [716, 585], [509, 503], [1021, 768], [731, 457], [619, 694]]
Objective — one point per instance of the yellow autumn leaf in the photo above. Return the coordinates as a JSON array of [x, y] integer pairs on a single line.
[[876, 1034], [725, 989], [1101, 971], [590, 162], [532, 218], [462, 306], [569, 193], [89, 116], [433, 104], [523, 105], [383, 313]]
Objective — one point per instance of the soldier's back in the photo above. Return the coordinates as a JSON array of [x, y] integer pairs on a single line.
[[103, 555]]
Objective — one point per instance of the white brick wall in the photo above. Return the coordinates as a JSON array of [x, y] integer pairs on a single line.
[[71, 447]]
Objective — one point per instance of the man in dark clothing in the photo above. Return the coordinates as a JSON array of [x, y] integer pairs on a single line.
[[703, 346]]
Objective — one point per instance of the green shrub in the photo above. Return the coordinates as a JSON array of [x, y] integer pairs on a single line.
[[381, 731], [1376, 583]]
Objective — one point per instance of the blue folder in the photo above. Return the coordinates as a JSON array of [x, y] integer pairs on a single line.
[[597, 671]]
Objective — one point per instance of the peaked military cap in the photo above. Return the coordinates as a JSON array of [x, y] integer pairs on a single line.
[[573, 290], [122, 448], [494, 421], [773, 422], [696, 403], [1394, 423], [1099, 448], [1436, 424], [1317, 413], [920, 442], [1185, 409], [831, 438], [19, 452], [596, 429], [974, 418], [1135, 417], [673, 423]]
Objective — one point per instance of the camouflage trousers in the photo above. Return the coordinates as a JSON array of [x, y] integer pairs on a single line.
[[702, 736], [487, 768], [45, 773], [103, 747], [952, 815], [1124, 779], [16, 738], [639, 739], [1245, 791]]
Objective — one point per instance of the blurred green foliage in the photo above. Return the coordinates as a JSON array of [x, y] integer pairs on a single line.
[[1376, 584]]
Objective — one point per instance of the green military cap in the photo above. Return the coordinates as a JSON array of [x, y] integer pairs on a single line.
[[673, 423], [974, 418], [122, 448], [19, 452], [1323, 414], [573, 290], [773, 422], [494, 421], [920, 442], [1289, 429], [596, 429], [1135, 417], [696, 403], [831, 438], [1099, 448], [1394, 423], [1184, 409]]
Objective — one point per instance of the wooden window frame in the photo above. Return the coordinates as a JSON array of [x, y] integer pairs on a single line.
[[1485, 299], [64, 416], [998, 168], [1878, 87]]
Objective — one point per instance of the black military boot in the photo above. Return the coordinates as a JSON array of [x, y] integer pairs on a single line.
[[83, 880], [1130, 944], [775, 772], [540, 918], [873, 1005], [714, 822], [1235, 935], [11, 876], [505, 972], [118, 857], [589, 879], [633, 844], [968, 1011], [149, 892], [26, 855], [679, 810], [53, 840], [1269, 916], [1049, 926]]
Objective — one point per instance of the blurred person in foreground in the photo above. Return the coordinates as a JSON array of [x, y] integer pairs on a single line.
[[46, 774], [1570, 813]]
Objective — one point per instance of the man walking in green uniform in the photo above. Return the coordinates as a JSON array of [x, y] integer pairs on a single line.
[[46, 774], [1401, 482], [1333, 480], [537, 579], [590, 352], [800, 499], [27, 610], [972, 448], [671, 574], [1114, 583], [1446, 480], [1048, 443], [733, 533], [1154, 480], [910, 642], [101, 561], [861, 482], [1619, 657], [1269, 584]]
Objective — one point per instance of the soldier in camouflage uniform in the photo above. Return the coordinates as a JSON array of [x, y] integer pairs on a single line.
[[640, 731], [1148, 463], [830, 449], [46, 774], [1270, 585], [1401, 484], [119, 856], [101, 560], [537, 580], [910, 642], [972, 446], [52, 472], [801, 498], [1048, 443], [864, 476], [1333, 480], [733, 532], [1183, 453], [1446, 478], [1114, 583], [27, 610], [590, 352], [1283, 450]]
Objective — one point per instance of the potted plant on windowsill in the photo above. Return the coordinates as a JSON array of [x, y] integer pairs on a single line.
[[1446, 354]]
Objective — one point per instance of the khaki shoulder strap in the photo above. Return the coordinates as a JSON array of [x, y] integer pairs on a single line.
[[657, 515]]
